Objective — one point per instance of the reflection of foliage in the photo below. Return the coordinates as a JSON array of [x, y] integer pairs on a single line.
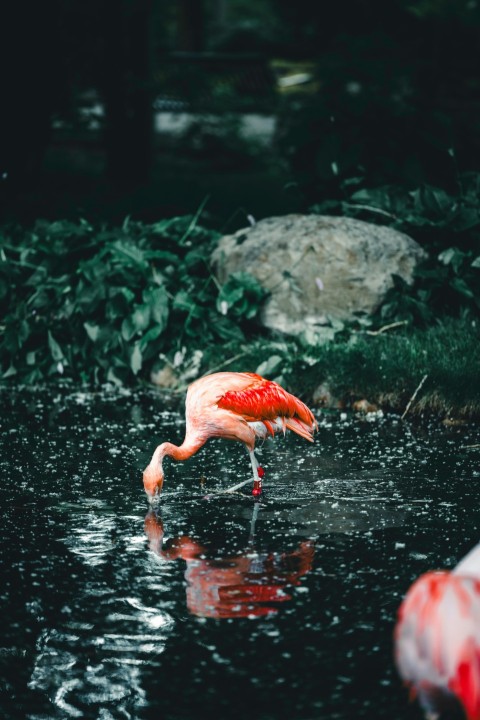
[[106, 304], [448, 225]]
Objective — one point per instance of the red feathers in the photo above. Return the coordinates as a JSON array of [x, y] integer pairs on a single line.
[[264, 401], [437, 640]]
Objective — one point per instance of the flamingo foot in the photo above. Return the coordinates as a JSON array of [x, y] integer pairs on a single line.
[[257, 484], [257, 490]]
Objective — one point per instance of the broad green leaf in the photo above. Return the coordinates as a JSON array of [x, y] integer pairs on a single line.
[[183, 301], [461, 286], [141, 317], [270, 366], [89, 296], [157, 300], [137, 322], [243, 294], [150, 336], [55, 349], [113, 377], [229, 294], [446, 256], [128, 329], [10, 372], [452, 256], [436, 200], [92, 331], [95, 271], [37, 277], [34, 376], [136, 359], [225, 328], [124, 292], [119, 304], [127, 252], [23, 332], [467, 218]]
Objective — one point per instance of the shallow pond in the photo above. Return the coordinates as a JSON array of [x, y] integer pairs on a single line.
[[215, 605]]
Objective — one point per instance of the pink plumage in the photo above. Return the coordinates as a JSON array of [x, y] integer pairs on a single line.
[[234, 406], [437, 638]]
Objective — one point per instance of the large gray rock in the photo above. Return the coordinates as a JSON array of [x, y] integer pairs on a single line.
[[317, 267]]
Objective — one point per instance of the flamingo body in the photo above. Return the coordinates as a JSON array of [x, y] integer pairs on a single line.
[[437, 638], [233, 406]]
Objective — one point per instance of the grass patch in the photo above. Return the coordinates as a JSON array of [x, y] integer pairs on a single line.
[[387, 369]]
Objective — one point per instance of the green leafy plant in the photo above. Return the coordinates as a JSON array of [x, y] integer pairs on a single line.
[[107, 304], [447, 284], [448, 226]]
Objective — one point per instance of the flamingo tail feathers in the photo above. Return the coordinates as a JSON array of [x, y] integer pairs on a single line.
[[303, 429], [269, 427]]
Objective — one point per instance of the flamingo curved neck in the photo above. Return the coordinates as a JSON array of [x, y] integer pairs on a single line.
[[177, 452]]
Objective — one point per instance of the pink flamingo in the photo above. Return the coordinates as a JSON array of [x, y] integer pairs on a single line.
[[234, 406], [437, 639]]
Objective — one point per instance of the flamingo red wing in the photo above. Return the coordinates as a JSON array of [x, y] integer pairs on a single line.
[[264, 401]]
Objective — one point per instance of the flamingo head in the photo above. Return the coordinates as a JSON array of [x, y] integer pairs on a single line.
[[153, 480]]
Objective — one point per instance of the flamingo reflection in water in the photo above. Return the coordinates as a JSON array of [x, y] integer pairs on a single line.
[[250, 584], [437, 640]]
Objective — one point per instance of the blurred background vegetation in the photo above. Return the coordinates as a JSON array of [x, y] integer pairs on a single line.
[[145, 107], [133, 132]]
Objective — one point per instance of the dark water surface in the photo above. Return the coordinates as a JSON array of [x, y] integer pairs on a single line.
[[216, 607]]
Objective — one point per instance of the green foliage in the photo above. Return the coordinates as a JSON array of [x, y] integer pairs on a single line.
[[447, 225], [103, 304], [429, 212], [241, 295], [106, 304]]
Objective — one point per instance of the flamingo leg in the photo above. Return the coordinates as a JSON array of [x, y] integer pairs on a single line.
[[235, 487], [257, 483]]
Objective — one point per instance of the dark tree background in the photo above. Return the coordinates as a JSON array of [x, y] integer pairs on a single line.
[[396, 100]]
